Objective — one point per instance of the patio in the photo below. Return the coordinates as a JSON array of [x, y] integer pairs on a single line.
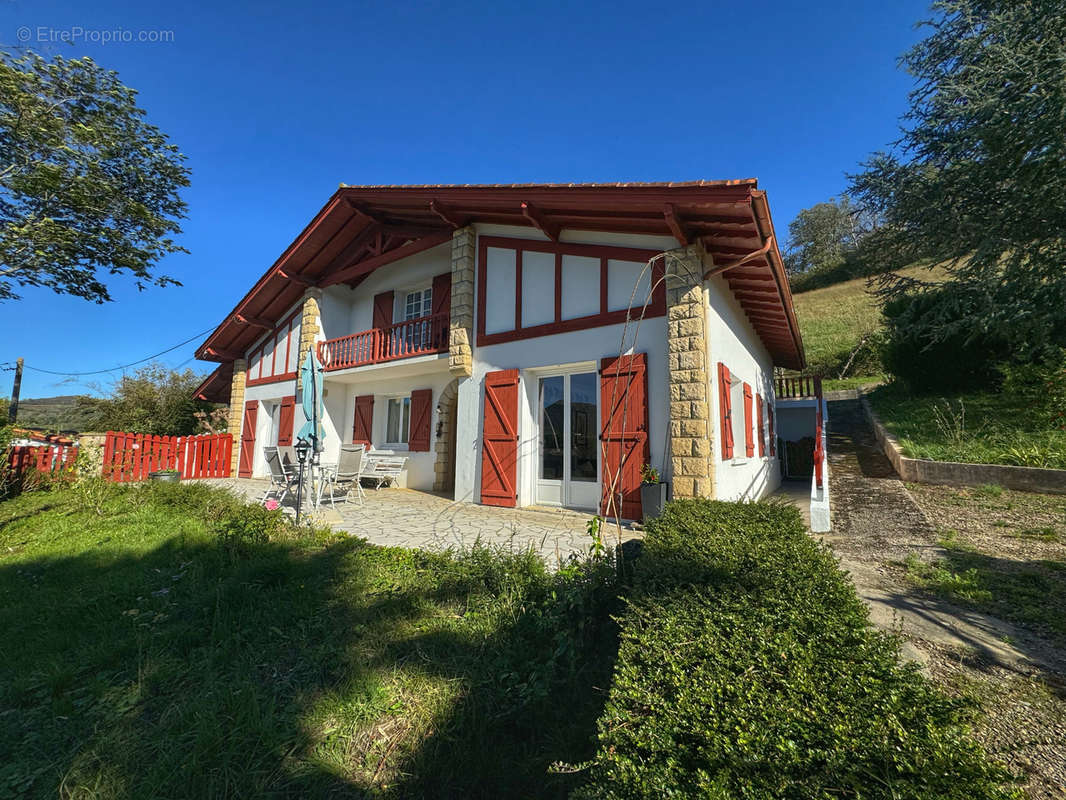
[[407, 518]]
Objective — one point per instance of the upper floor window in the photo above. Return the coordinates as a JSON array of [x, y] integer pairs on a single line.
[[418, 304]]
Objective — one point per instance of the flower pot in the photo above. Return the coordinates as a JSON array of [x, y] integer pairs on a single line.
[[165, 477], [653, 498]]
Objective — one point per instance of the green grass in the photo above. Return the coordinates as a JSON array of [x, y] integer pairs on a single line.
[[145, 655], [1030, 593], [974, 428], [833, 320]]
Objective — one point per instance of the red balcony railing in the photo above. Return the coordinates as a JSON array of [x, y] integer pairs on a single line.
[[415, 337], [799, 386]]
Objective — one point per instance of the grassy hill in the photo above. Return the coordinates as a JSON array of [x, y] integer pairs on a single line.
[[59, 413], [834, 320]]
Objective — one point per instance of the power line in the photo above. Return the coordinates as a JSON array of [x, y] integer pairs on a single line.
[[123, 366]]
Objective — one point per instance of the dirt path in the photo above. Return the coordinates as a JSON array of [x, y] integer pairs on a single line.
[[877, 523], [1017, 676]]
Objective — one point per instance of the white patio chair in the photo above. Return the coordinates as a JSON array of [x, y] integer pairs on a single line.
[[288, 456], [350, 466], [383, 469], [282, 479]]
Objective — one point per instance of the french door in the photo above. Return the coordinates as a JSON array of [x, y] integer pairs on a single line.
[[568, 461]]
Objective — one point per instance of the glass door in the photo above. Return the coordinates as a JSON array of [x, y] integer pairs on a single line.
[[568, 461]]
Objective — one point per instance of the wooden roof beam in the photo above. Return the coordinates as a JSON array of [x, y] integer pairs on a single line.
[[540, 222], [225, 355], [256, 322], [673, 222], [299, 280], [445, 214], [353, 271]]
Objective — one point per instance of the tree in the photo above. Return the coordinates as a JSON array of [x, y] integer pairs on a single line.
[[154, 400], [820, 237], [978, 178], [88, 189]]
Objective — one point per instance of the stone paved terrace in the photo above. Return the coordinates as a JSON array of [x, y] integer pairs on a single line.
[[408, 518]]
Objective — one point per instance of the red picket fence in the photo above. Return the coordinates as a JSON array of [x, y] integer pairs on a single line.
[[43, 458], [131, 456]]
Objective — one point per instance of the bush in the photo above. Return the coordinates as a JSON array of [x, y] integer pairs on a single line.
[[242, 529], [1040, 386], [931, 363], [748, 669]]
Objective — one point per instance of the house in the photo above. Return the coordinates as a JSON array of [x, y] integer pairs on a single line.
[[526, 344]]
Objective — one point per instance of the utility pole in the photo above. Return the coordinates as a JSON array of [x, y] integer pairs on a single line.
[[13, 409]]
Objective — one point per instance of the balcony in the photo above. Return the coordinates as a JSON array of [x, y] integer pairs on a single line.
[[414, 337]]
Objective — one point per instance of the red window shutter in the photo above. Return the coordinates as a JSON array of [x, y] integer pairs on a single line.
[[762, 425], [499, 439], [421, 418], [442, 293], [749, 433], [725, 411], [364, 419], [285, 418], [251, 412], [383, 309], [624, 436]]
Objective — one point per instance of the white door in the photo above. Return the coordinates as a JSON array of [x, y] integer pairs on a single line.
[[568, 461]]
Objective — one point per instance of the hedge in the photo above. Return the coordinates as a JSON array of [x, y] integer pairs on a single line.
[[747, 668]]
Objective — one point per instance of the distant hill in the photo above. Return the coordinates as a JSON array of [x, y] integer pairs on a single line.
[[58, 413]]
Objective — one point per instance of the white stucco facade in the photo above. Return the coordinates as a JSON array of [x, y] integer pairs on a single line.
[[731, 340], [344, 311]]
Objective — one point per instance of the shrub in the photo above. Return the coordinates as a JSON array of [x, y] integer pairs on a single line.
[[1040, 385], [243, 528], [747, 669], [928, 362]]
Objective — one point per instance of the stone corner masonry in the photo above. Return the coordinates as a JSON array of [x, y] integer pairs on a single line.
[[691, 462], [460, 335]]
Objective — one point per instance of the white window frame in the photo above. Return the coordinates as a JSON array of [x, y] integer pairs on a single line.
[[399, 445], [425, 301]]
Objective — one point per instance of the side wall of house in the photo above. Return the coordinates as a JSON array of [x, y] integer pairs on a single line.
[[731, 340]]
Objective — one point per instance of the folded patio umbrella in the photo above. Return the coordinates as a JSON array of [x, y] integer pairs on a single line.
[[311, 380]]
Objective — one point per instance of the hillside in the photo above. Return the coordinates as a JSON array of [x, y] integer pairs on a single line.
[[58, 413], [834, 320]]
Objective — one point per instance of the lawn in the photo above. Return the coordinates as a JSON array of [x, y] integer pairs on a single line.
[[163, 641], [974, 428]]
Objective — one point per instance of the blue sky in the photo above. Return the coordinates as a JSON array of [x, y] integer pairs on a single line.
[[275, 104]]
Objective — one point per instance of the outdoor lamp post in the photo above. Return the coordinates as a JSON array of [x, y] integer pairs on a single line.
[[302, 448]]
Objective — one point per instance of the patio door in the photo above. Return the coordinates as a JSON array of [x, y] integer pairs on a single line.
[[568, 461]]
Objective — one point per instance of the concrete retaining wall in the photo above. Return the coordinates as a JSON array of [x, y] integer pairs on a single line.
[[953, 473]]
